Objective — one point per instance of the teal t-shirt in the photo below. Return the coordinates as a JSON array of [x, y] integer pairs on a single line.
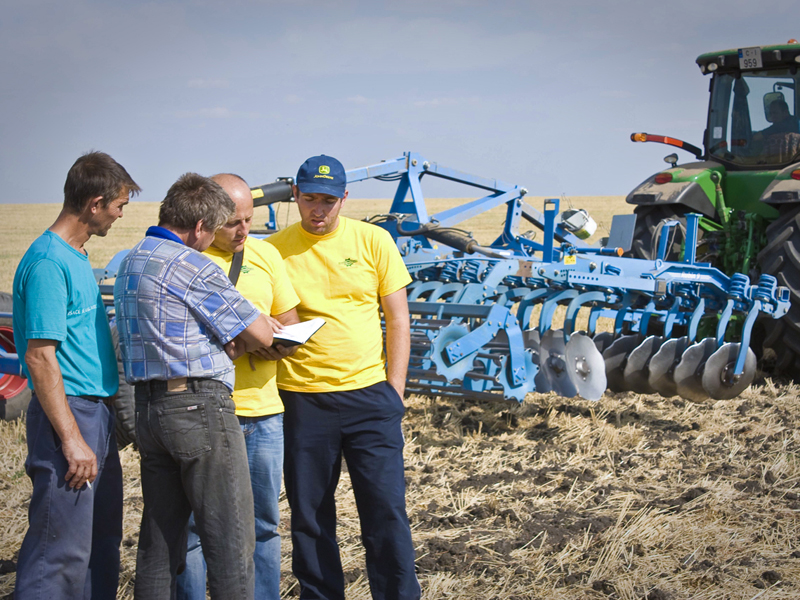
[[57, 298]]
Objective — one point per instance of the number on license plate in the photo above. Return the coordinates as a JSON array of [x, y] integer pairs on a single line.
[[750, 58]]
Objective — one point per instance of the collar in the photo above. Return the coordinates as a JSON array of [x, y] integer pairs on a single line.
[[164, 233]]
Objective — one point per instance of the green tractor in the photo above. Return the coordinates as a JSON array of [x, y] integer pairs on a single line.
[[745, 183]]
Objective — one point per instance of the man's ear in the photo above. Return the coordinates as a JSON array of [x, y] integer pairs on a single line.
[[198, 229], [94, 204], [345, 196]]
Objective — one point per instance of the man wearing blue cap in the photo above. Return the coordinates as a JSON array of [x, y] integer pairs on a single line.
[[342, 394]]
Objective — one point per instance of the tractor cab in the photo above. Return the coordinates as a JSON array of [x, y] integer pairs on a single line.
[[753, 109]]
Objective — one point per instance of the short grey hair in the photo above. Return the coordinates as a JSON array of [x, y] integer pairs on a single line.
[[194, 198]]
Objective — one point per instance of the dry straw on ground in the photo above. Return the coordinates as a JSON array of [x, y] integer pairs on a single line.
[[632, 497]]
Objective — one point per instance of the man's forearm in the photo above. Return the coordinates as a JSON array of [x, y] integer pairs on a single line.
[[49, 387], [398, 348]]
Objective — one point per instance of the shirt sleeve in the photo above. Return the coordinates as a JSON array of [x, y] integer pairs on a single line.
[[392, 272], [45, 302], [218, 305]]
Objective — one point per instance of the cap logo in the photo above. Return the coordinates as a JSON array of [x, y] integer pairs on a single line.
[[324, 169]]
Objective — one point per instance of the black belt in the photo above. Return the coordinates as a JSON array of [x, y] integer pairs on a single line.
[[179, 384]]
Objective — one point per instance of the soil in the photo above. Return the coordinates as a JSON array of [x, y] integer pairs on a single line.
[[632, 497]]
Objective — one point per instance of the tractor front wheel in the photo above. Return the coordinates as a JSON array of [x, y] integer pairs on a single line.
[[781, 258]]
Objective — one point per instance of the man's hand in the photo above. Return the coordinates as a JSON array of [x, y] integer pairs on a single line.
[[234, 349], [81, 460], [275, 352], [259, 336]]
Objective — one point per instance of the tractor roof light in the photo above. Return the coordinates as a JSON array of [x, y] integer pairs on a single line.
[[712, 67], [663, 178], [796, 174]]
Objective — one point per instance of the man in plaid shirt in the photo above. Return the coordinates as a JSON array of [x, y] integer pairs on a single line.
[[180, 322]]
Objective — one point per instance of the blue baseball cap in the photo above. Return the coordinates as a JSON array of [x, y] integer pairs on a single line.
[[322, 175]]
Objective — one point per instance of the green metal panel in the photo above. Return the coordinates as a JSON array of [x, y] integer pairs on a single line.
[[744, 188]]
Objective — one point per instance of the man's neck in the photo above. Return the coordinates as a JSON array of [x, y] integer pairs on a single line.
[[72, 229], [183, 234]]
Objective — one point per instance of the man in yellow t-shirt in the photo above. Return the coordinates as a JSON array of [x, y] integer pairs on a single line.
[[262, 280], [343, 394]]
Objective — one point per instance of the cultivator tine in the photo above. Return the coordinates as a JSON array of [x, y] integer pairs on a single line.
[[689, 372], [637, 368], [615, 357], [661, 369], [585, 367], [719, 379]]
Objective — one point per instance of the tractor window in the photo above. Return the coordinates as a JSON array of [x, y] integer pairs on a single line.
[[753, 118]]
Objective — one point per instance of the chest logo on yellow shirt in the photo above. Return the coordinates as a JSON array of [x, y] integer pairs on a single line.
[[348, 262], [245, 269]]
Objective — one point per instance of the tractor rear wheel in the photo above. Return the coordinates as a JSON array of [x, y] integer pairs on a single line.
[[15, 395], [781, 258], [649, 224], [123, 401]]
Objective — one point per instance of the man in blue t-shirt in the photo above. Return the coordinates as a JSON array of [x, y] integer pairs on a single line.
[[71, 548]]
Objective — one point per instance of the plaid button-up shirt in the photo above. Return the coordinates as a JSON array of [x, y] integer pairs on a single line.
[[175, 309]]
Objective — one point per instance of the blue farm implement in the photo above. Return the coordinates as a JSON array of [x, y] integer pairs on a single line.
[[483, 316]]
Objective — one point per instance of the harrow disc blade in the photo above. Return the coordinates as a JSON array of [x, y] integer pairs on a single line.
[[718, 379], [603, 340], [689, 372], [662, 366], [553, 373], [447, 335], [585, 367], [637, 367], [530, 338], [615, 357]]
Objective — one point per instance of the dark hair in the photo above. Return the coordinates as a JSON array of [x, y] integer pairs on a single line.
[[779, 103], [194, 198], [96, 174]]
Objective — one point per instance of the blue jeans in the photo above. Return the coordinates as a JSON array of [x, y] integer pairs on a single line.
[[364, 426], [264, 439], [71, 548], [193, 460]]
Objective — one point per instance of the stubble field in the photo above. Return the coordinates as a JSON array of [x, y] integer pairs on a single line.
[[631, 497]]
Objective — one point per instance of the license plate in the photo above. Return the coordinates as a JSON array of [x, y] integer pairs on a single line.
[[750, 58]]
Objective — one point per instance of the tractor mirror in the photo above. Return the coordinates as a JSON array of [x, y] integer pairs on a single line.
[[769, 98]]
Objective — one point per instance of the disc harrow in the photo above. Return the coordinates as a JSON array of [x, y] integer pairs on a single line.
[[503, 319]]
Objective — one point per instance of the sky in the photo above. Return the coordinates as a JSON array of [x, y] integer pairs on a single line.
[[540, 94]]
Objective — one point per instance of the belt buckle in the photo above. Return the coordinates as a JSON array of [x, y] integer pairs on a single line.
[[177, 385]]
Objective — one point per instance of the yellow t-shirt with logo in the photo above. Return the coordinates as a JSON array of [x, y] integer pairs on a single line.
[[340, 277], [264, 282]]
